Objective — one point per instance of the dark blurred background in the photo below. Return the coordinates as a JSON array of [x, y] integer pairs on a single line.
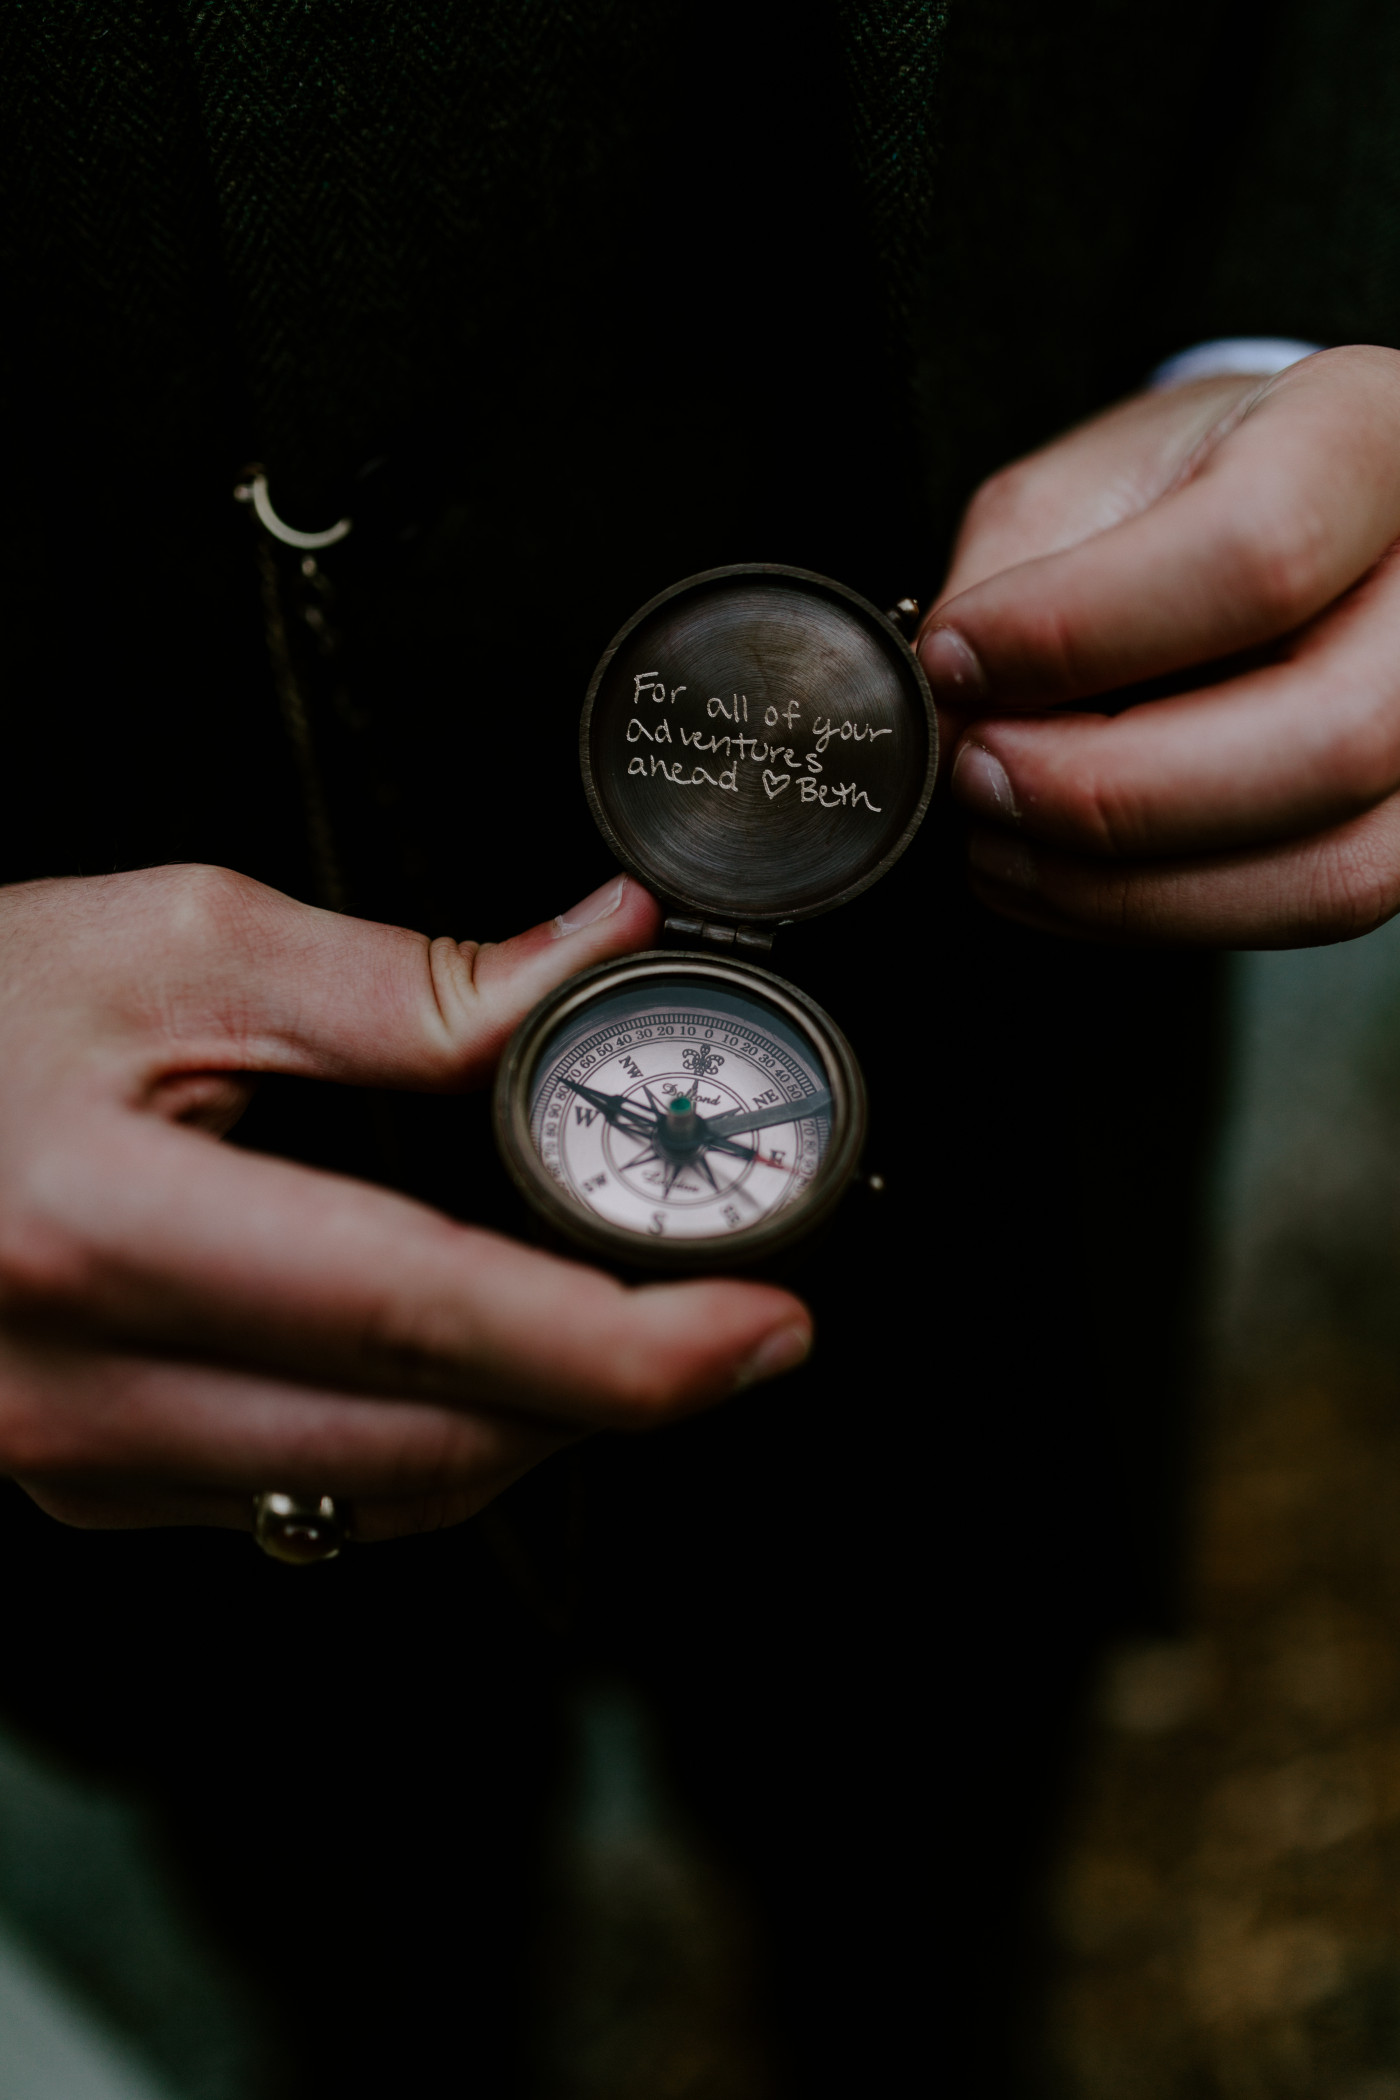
[[1220, 1914]]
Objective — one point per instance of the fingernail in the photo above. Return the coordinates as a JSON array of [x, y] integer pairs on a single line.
[[781, 1351], [601, 905], [951, 667], [1002, 859], [981, 781]]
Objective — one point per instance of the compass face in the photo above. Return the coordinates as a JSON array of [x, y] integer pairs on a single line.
[[683, 1106]]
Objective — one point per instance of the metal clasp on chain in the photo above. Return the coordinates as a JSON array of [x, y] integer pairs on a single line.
[[254, 491]]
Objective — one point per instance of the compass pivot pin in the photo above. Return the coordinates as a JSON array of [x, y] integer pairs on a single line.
[[682, 1126]]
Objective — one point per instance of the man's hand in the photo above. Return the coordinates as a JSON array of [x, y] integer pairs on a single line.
[[1247, 526], [183, 1323]]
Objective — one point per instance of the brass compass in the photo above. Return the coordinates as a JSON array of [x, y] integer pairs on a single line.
[[758, 746]]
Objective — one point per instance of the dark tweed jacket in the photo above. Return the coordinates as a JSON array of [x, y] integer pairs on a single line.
[[563, 302]]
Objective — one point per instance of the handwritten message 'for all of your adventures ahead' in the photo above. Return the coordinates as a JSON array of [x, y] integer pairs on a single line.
[[710, 750]]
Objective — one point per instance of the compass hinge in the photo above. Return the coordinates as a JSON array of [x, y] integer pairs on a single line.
[[715, 934]]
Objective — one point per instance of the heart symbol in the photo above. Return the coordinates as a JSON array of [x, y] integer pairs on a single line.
[[774, 783]]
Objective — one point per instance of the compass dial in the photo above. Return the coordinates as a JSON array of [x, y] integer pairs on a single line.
[[683, 1104]]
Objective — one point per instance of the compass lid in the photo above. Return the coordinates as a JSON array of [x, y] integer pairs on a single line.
[[758, 744]]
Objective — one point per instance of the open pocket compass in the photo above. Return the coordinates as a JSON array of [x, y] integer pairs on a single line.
[[758, 745]]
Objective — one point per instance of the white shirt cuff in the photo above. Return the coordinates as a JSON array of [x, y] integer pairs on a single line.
[[1257, 355]]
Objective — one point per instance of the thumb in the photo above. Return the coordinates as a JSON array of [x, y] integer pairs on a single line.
[[484, 991], [1284, 512], [315, 993]]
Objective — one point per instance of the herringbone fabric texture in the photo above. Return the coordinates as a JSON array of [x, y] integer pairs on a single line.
[[369, 159], [107, 230], [891, 55], [300, 226], [300, 216]]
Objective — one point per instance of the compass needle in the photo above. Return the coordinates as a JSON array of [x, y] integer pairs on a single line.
[[688, 1072], [764, 1118], [661, 1107], [610, 1105]]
